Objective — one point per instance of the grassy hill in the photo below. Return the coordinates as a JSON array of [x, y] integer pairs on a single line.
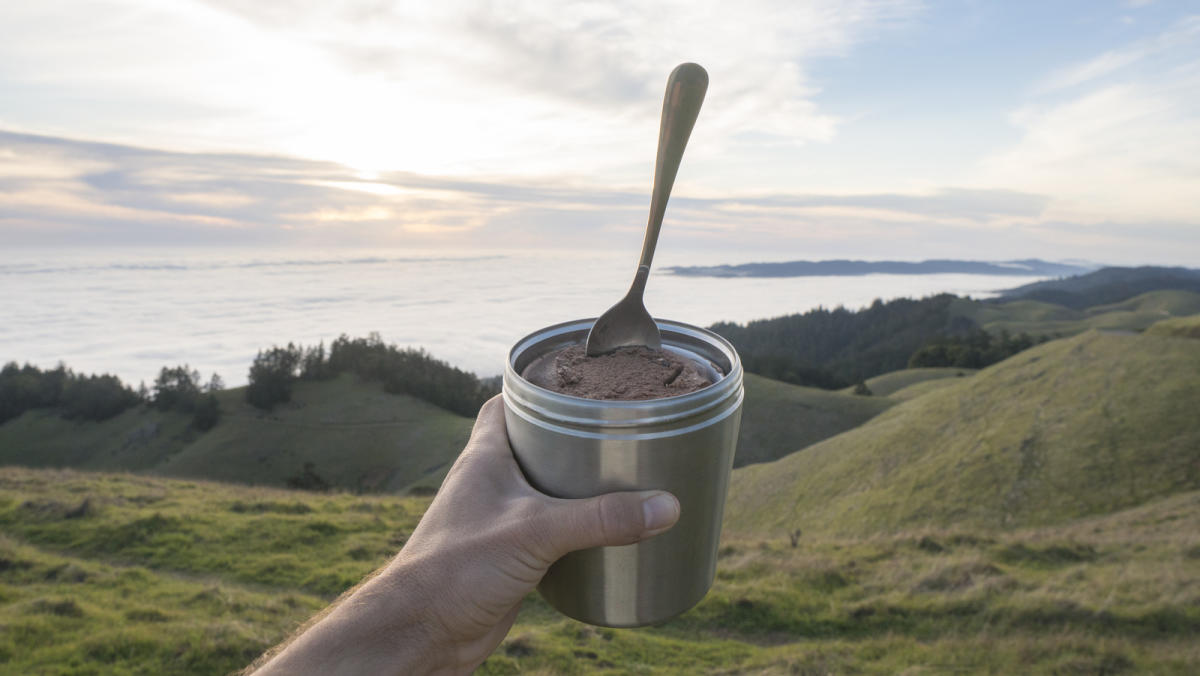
[[923, 387], [1042, 318], [779, 418], [1180, 327], [354, 434], [357, 436], [1067, 429], [889, 383], [108, 573]]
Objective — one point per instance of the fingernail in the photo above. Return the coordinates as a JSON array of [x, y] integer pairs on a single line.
[[659, 512]]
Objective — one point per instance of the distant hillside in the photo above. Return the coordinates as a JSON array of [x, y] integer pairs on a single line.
[[846, 268], [353, 433], [835, 348], [1078, 426], [1039, 318], [779, 418], [1107, 285], [1179, 327]]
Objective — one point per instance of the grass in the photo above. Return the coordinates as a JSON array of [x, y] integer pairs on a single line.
[[1179, 327], [246, 535], [779, 418], [1111, 594], [355, 435], [1067, 429], [890, 383], [924, 387]]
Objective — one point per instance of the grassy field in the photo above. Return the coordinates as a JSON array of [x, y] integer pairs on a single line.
[[1064, 430], [132, 574], [355, 435], [121, 574]]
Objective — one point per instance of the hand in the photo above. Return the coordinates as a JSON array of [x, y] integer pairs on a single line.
[[450, 596]]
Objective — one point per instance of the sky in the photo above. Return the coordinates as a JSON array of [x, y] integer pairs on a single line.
[[865, 129]]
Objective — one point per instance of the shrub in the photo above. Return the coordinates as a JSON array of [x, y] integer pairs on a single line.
[[208, 413]]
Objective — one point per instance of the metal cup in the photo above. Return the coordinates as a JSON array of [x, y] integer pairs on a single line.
[[571, 447]]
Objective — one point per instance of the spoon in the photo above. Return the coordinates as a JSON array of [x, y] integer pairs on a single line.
[[628, 322]]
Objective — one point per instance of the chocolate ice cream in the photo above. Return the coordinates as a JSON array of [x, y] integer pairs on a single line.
[[629, 373]]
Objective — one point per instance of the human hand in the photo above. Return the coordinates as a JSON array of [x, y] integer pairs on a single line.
[[452, 593]]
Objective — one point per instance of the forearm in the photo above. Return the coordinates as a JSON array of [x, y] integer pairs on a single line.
[[380, 628]]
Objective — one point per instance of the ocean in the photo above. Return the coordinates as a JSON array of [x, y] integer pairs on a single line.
[[130, 313]]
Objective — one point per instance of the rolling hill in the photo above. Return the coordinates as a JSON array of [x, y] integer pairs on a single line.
[[1070, 428], [1180, 327], [354, 435], [357, 436], [1107, 285], [889, 383], [779, 418], [1038, 318]]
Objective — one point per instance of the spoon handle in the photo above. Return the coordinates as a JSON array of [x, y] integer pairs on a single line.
[[681, 105]]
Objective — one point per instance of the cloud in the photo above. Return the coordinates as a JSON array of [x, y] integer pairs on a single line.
[[526, 87], [87, 192], [1114, 139], [1164, 47]]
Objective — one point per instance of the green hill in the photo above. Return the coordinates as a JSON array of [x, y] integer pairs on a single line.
[[353, 434], [1181, 327], [1038, 318], [923, 387], [1067, 429], [889, 383], [779, 418]]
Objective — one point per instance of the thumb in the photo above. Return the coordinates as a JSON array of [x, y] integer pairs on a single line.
[[607, 520]]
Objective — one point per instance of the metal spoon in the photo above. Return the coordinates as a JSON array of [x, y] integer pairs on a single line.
[[628, 322]]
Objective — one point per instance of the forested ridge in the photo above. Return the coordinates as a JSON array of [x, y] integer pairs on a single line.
[[1107, 285], [839, 347]]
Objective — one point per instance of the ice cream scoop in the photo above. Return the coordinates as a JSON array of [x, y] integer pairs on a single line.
[[628, 322]]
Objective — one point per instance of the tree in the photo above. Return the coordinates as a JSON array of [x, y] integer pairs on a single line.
[[272, 375], [95, 397], [313, 365], [215, 384], [177, 389]]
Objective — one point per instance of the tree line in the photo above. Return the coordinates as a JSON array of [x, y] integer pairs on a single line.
[[837, 348], [411, 371], [974, 350], [78, 396]]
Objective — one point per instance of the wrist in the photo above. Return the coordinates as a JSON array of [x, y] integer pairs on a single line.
[[380, 628]]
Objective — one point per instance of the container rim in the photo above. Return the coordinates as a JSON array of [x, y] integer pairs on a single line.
[[564, 409]]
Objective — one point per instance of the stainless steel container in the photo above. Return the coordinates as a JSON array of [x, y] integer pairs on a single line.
[[571, 447]]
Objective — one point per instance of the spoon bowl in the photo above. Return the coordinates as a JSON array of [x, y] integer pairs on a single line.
[[628, 322]]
